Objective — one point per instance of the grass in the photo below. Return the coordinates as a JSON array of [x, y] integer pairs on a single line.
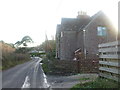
[[12, 60], [10, 64], [45, 68], [0, 67], [98, 83]]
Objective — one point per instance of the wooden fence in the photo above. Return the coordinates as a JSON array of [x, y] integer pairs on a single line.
[[109, 62]]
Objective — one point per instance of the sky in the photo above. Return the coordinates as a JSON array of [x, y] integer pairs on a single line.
[[36, 18]]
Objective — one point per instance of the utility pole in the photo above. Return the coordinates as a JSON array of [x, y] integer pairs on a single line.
[[84, 31]]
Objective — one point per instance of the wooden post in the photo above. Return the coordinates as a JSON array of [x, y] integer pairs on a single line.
[[78, 65]]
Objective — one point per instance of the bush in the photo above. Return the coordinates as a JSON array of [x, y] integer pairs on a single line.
[[12, 59], [51, 55], [98, 83], [23, 50], [11, 56], [57, 67]]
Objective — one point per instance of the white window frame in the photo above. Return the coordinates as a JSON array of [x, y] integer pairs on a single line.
[[101, 31]]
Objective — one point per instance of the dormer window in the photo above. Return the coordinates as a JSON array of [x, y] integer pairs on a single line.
[[101, 31]]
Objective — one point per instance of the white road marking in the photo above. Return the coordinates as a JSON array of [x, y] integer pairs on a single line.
[[26, 83], [27, 80], [44, 75], [35, 73], [45, 83], [36, 66], [41, 63]]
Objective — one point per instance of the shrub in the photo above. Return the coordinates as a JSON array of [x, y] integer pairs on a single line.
[[12, 59], [98, 83]]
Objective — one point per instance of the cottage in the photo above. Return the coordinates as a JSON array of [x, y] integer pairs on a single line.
[[83, 32]]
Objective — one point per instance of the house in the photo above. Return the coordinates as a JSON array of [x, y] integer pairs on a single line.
[[85, 33]]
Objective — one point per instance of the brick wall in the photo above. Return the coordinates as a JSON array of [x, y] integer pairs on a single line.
[[73, 67]]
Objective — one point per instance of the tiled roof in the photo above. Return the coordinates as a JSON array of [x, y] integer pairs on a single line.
[[77, 24], [74, 23]]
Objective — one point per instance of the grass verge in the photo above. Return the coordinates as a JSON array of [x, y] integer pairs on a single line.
[[0, 67], [12, 64], [12, 60], [97, 83]]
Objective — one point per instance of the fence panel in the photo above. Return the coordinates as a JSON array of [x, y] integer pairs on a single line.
[[109, 58]]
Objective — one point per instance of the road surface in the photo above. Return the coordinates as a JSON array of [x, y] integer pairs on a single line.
[[31, 75], [27, 75]]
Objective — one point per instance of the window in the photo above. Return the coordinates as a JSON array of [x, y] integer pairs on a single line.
[[101, 31], [61, 34]]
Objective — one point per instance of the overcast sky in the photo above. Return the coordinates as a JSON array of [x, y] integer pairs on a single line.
[[19, 18]]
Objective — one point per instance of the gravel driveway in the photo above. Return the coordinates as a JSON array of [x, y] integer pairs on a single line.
[[69, 81]]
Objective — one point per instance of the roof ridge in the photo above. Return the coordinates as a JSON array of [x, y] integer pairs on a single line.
[[94, 17]]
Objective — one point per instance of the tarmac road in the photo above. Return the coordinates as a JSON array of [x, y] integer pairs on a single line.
[[27, 75], [31, 75]]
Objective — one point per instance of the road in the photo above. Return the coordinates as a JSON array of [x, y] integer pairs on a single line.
[[27, 75], [31, 75]]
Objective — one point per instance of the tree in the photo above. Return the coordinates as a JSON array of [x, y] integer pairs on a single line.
[[25, 40], [49, 46], [18, 43]]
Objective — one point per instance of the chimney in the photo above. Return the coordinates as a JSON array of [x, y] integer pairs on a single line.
[[82, 14]]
